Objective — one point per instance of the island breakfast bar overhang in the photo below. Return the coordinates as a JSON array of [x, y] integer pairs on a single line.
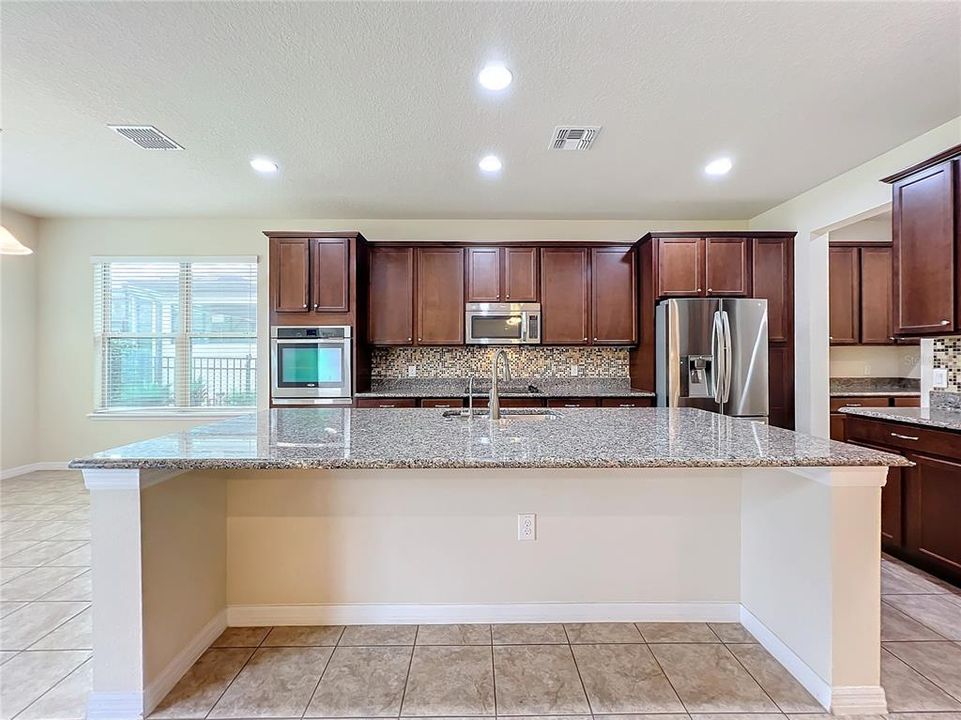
[[792, 552]]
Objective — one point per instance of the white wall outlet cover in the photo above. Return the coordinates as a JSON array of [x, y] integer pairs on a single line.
[[575, 370], [527, 526], [867, 369], [939, 378], [411, 371]]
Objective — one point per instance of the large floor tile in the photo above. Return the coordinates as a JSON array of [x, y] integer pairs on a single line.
[[710, 680], [594, 633], [371, 635], [624, 678], [680, 632], [454, 635], [8, 607], [30, 674], [529, 634], [14, 547], [775, 680], [895, 625], [449, 681], [898, 579], [37, 582], [67, 700], [908, 691], [537, 680], [241, 637], [939, 662], [42, 553], [935, 611], [79, 557], [78, 589], [275, 683], [362, 682], [75, 634], [732, 632], [304, 636], [197, 691], [23, 628]]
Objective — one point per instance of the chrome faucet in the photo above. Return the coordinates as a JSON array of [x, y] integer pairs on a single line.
[[495, 403], [470, 396]]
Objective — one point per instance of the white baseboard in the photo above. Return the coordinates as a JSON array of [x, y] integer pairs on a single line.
[[32, 467], [158, 688], [859, 700], [114, 706], [372, 614]]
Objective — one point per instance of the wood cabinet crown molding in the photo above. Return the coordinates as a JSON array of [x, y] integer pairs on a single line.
[[945, 155]]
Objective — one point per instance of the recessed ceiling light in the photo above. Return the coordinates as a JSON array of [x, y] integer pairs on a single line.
[[490, 164], [264, 165], [495, 76], [721, 166]]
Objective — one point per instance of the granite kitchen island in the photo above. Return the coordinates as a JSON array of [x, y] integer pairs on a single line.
[[317, 516]]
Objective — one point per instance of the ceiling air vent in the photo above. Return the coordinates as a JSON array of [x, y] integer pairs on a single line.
[[574, 137], [146, 136]]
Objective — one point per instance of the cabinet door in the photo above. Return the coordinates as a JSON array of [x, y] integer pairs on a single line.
[[679, 270], [780, 386], [293, 275], [440, 296], [386, 403], [725, 267], [391, 298], [571, 402], [773, 280], [932, 497], [520, 274], [877, 272], [892, 510], [483, 275], [564, 296], [613, 296], [837, 426], [843, 292], [330, 272], [627, 402], [924, 252]]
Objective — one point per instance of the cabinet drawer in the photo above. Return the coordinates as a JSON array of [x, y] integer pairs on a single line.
[[386, 402], [907, 402], [903, 437], [572, 402], [627, 402], [442, 402], [839, 402]]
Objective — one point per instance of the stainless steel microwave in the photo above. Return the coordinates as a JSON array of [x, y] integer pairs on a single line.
[[503, 324]]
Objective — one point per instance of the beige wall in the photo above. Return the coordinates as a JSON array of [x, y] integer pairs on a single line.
[[18, 334], [813, 214], [876, 361], [65, 394]]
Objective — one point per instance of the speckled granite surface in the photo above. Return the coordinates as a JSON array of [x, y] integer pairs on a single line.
[[867, 387], [548, 387], [933, 417], [945, 400], [424, 438]]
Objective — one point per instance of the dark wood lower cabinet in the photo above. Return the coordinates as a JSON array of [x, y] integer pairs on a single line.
[[572, 402], [632, 402], [386, 403], [932, 502], [442, 402]]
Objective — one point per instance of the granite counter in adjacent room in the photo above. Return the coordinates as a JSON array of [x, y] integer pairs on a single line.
[[875, 386], [518, 387], [330, 438], [944, 413]]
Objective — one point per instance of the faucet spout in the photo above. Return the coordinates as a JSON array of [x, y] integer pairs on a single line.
[[495, 403]]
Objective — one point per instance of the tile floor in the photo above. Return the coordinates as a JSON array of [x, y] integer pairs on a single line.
[[666, 671]]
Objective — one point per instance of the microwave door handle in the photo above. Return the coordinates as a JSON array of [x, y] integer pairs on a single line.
[[525, 328]]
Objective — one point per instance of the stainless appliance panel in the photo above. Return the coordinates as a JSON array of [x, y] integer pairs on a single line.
[[502, 323], [746, 381], [310, 364]]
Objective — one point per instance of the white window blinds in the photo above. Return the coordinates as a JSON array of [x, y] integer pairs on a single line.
[[175, 333]]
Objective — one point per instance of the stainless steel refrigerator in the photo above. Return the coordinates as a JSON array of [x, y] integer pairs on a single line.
[[712, 354]]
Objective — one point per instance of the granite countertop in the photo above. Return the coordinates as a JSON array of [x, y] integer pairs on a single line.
[[548, 387], [424, 438], [933, 417], [873, 387]]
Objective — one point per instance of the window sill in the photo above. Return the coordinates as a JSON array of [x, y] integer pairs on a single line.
[[170, 414]]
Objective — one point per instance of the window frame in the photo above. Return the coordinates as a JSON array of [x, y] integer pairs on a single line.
[[182, 338]]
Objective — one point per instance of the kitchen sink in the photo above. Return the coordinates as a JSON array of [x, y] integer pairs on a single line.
[[523, 414]]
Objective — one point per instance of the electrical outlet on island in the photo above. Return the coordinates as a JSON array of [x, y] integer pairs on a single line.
[[527, 526]]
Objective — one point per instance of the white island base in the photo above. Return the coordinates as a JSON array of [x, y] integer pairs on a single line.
[[791, 553]]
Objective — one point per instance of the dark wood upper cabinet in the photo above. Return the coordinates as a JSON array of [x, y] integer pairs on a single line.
[[292, 275], [877, 273], [613, 296], [925, 250], [773, 280], [330, 274], [679, 267], [565, 297], [440, 296], [726, 267], [520, 274], [390, 319], [483, 274], [843, 282]]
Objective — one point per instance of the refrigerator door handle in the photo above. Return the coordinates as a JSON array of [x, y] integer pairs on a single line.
[[717, 358], [728, 355]]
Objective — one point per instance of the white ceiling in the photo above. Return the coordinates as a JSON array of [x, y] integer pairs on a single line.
[[372, 109]]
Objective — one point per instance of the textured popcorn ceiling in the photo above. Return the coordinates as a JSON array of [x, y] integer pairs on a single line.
[[372, 110]]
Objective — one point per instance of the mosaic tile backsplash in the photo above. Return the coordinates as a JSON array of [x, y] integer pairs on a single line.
[[947, 354], [526, 362]]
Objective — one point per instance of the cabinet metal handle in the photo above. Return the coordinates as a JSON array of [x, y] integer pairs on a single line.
[[852, 404], [944, 322], [585, 339], [710, 289], [419, 339], [508, 294], [387, 405], [595, 339], [699, 289], [904, 437], [305, 306], [626, 405], [573, 405], [409, 339]]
